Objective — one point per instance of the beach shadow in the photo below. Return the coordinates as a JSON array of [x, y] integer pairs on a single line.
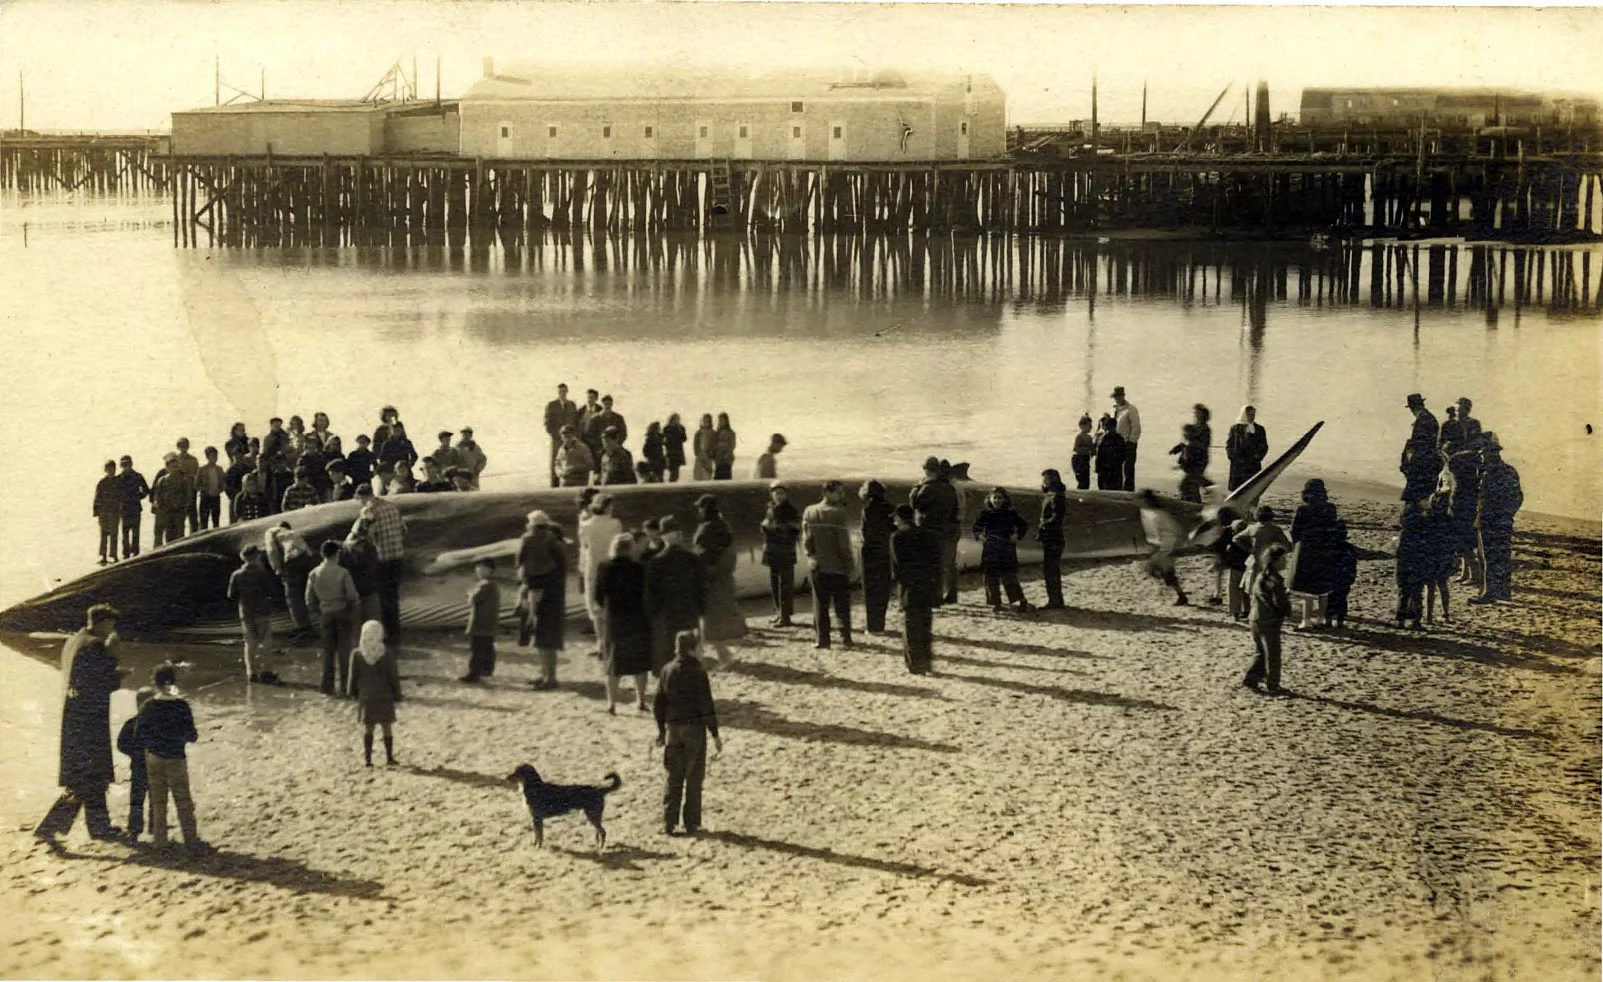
[[470, 778], [796, 676], [613, 857], [1420, 716], [447, 702], [842, 859], [1019, 647], [1570, 543], [1084, 697], [286, 874], [941, 658], [1433, 646], [742, 715], [1576, 595], [1080, 617], [1556, 647]]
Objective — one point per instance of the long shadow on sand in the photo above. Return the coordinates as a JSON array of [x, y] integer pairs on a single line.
[[842, 859], [942, 658], [1571, 543], [1110, 620], [1575, 595], [1441, 647], [447, 702], [796, 676], [742, 715], [613, 857], [1017, 647], [1084, 697], [1420, 716], [471, 778], [286, 874]]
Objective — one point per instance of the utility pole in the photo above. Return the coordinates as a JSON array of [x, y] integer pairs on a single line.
[[436, 81], [1143, 105], [22, 103], [217, 79], [264, 83], [1095, 128]]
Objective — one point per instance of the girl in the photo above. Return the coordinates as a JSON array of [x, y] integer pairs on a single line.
[[1000, 527], [673, 445], [376, 685], [723, 450], [238, 444], [703, 449], [652, 451]]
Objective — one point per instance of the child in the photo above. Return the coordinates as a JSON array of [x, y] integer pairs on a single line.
[[483, 615], [359, 462], [1412, 562], [1270, 606], [1343, 576], [210, 480], [781, 531], [1165, 533], [138, 776], [1439, 555], [165, 724], [766, 469], [107, 511], [377, 687], [251, 503], [1221, 555], [1235, 560], [1084, 447]]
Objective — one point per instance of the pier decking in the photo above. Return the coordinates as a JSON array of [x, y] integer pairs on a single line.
[[100, 163]]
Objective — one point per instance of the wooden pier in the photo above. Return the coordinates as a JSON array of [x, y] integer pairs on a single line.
[[33, 163]]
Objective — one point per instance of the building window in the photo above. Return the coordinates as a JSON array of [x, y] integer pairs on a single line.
[[701, 131], [506, 131], [795, 107], [837, 132], [650, 134], [963, 127], [743, 132], [551, 132], [606, 131], [795, 132]]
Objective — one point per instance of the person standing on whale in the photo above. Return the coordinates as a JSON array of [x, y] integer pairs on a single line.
[[108, 512]]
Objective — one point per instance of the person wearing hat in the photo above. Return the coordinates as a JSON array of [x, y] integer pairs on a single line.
[[445, 455], [827, 541], [470, 457], [766, 471], [1500, 499], [1271, 605], [169, 501], [941, 511], [1461, 430], [89, 675], [574, 463], [685, 716], [916, 567], [560, 413], [543, 573], [108, 512], [1421, 462], [388, 534], [879, 522], [676, 592], [781, 530], [1127, 423]]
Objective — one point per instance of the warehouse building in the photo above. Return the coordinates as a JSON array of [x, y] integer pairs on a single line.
[[1443, 107], [311, 127]]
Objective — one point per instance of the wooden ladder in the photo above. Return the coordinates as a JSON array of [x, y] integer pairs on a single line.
[[722, 196]]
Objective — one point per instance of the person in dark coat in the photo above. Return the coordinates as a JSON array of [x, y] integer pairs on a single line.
[[781, 530], [1461, 429], [1109, 457], [879, 521], [617, 463], [1438, 555], [999, 528], [138, 775], [676, 593], [166, 727], [1413, 564], [1421, 460], [685, 718], [1246, 445], [673, 446], [559, 413], [376, 687], [1050, 535], [484, 618], [1270, 606], [395, 457], [1192, 456], [1464, 480], [134, 493], [652, 452], [916, 566], [1313, 559], [1342, 580], [89, 675], [1500, 499], [1084, 451], [543, 573], [620, 592], [941, 511], [107, 512], [714, 543]]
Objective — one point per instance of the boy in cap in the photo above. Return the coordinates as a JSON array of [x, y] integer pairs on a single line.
[[108, 512], [484, 615], [766, 471], [138, 777], [445, 455], [169, 501], [470, 457], [134, 493], [359, 462], [1270, 606], [166, 724], [685, 716], [781, 531]]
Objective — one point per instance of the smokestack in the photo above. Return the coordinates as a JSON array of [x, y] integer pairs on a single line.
[[489, 67], [1260, 125]]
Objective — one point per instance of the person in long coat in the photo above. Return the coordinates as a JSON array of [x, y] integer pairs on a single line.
[[1000, 527], [1109, 457], [597, 529], [1421, 460], [376, 686], [1413, 562], [723, 450], [1314, 552], [542, 601], [620, 592], [653, 452], [878, 524], [89, 676], [1438, 555], [1464, 474], [781, 529], [673, 445], [676, 592], [916, 564], [1499, 501], [1246, 445], [1050, 535], [703, 445], [714, 542]]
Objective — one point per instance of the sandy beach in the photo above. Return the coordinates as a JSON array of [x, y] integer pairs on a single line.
[[1085, 793]]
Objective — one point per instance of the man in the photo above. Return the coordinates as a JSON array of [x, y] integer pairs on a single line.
[[916, 565], [107, 512], [470, 457], [781, 530], [134, 493], [251, 587], [940, 511], [388, 535], [560, 413], [433, 479], [1050, 535], [1460, 432], [617, 463], [1500, 499], [574, 464], [210, 483], [301, 494], [275, 444], [340, 485], [291, 559], [266, 481], [445, 455], [675, 592], [766, 469], [589, 433], [1127, 423], [596, 426], [170, 499], [827, 542], [1270, 605], [89, 675], [1421, 463], [685, 716], [332, 599], [189, 467]]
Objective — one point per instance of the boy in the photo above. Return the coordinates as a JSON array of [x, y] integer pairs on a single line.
[[301, 494], [234, 482], [483, 615], [252, 588], [1084, 449], [1270, 605], [359, 462], [108, 511], [251, 503], [766, 469], [138, 776], [165, 725], [134, 493], [210, 481], [445, 455], [169, 501], [781, 531]]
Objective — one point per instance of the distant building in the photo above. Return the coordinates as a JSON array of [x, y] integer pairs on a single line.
[[312, 127], [644, 114], [1443, 107]]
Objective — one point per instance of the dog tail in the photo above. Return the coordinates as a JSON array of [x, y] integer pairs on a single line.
[[617, 782]]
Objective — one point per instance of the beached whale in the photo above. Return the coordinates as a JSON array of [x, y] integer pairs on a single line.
[[179, 590]]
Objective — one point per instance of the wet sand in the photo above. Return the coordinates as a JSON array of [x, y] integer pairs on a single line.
[[1086, 792]]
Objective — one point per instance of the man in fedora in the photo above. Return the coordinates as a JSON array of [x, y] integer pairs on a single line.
[[1127, 423], [1421, 461]]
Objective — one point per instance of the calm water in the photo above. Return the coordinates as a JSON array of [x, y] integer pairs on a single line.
[[868, 356]]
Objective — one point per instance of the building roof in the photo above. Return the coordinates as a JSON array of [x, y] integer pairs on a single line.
[[293, 106], [691, 83]]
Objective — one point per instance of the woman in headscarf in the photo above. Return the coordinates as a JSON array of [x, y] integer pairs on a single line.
[[714, 542], [597, 529], [1109, 456], [1000, 528], [376, 685], [1246, 446], [673, 445], [1314, 553], [543, 573], [702, 448], [723, 450], [621, 594]]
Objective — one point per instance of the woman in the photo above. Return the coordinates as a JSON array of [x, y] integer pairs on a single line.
[[1313, 557], [297, 441], [723, 450], [395, 455], [1000, 528], [879, 522], [673, 445], [1192, 454], [543, 573], [238, 444], [332, 448], [621, 593], [376, 686], [702, 447], [714, 542], [1412, 564], [1439, 554], [1054, 506], [1246, 446], [1464, 476], [652, 452], [316, 463], [597, 529], [1109, 457]]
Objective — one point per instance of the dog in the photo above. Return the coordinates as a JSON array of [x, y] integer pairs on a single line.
[[550, 800]]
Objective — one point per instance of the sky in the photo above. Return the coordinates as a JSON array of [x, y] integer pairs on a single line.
[[116, 65]]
